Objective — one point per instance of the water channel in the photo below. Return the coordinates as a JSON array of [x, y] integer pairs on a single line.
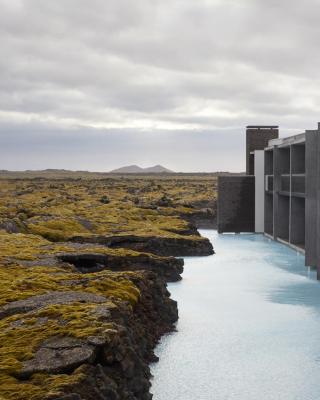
[[249, 326]]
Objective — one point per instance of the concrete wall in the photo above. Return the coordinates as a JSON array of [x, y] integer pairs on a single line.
[[291, 206], [259, 190], [288, 197], [282, 221], [257, 138], [297, 222], [237, 195], [268, 162], [236, 204], [276, 188], [312, 174], [268, 200], [298, 159], [268, 214]]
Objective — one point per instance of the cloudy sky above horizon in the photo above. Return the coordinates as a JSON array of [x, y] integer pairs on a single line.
[[101, 84]]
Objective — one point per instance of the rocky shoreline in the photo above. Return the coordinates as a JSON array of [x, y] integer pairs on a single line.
[[83, 276], [169, 268], [111, 360], [162, 246], [116, 366]]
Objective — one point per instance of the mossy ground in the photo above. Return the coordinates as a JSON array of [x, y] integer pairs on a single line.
[[43, 215], [21, 334], [58, 210], [29, 247]]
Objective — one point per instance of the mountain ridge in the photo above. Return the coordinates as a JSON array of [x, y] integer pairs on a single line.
[[136, 169]]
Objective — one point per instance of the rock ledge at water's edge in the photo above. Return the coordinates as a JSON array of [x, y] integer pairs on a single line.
[[82, 323]]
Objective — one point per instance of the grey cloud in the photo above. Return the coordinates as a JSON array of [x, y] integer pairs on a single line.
[[40, 146], [154, 69]]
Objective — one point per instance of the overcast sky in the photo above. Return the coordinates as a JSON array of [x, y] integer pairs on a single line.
[[94, 85]]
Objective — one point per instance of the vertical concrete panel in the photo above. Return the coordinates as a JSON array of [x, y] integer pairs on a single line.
[[259, 190], [312, 167], [318, 202], [268, 162], [297, 224], [281, 183], [236, 204], [269, 188], [283, 222], [298, 159], [257, 138], [276, 189], [268, 214]]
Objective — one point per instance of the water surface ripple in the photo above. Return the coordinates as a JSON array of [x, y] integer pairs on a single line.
[[249, 326]]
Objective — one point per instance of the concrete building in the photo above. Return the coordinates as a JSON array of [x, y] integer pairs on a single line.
[[280, 194], [257, 138]]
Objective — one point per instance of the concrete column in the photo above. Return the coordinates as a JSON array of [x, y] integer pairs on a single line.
[[281, 201], [268, 199], [312, 179], [259, 190], [257, 138], [297, 221], [276, 189]]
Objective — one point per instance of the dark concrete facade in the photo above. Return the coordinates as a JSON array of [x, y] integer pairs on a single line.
[[285, 204], [292, 203], [257, 138], [236, 204], [236, 194], [312, 199], [290, 188]]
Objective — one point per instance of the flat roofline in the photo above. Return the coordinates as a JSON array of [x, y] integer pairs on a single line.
[[262, 127], [287, 141], [255, 151]]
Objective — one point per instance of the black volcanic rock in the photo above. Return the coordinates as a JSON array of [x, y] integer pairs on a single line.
[[162, 246], [169, 268], [119, 368]]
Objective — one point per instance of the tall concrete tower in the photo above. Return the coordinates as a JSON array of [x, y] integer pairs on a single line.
[[257, 138]]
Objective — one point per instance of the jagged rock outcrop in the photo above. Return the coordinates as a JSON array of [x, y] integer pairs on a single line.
[[162, 246], [43, 300], [60, 355], [121, 370], [112, 364], [169, 268], [203, 215]]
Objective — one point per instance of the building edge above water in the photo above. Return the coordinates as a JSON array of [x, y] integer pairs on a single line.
[[280, 193]]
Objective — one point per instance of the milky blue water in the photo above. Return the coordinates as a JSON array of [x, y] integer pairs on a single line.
[[249, 326]]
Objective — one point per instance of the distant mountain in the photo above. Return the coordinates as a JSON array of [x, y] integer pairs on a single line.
[[157, 169], [129, 169], [135, 169]]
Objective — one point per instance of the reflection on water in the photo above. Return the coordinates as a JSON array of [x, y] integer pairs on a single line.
[[249, 326]]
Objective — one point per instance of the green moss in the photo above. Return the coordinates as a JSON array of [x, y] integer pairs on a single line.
[[22, 247], [57, 230], [38, 386], [47, 212], [67, 208], [19, 342]]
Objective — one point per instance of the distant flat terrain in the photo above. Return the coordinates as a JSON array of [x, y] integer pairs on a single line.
[[67, 174]]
